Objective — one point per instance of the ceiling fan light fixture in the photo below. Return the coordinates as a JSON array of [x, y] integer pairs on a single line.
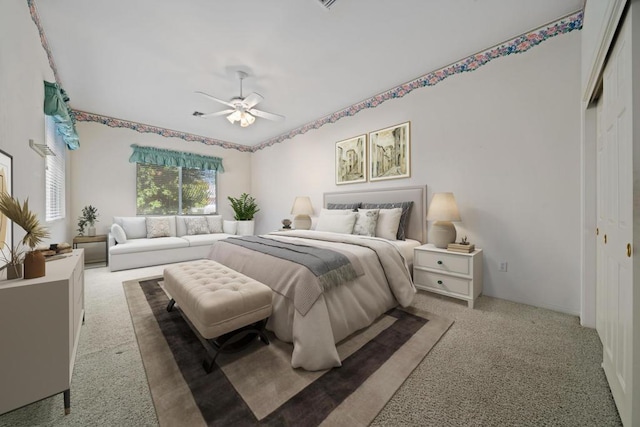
[[234, 117], [246, 119]]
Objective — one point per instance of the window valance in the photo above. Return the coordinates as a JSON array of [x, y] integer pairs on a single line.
[[55, 105], [161, 157]]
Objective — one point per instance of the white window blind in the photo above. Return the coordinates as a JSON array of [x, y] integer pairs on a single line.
[[55, 173]]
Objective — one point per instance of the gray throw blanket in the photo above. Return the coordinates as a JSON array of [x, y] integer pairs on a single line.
[[330, 267]]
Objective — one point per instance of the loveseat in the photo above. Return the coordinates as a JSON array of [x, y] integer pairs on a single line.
[[140, 241]]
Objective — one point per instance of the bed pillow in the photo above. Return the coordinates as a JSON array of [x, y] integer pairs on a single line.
[[158, 227], [335, 211], [118, 233], [388, 221], [404, 218], [366, 222], [337, 223], [196, 225], [350, 206], [215, 223]]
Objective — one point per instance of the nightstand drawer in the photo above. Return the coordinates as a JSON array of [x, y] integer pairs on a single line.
[[442, 261], [441, 282]]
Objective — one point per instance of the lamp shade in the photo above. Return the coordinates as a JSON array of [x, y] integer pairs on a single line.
[[443, 207], [302, 209], [302, 206]]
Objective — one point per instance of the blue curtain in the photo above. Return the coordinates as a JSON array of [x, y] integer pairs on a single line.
[[160, 157], [55, 105]]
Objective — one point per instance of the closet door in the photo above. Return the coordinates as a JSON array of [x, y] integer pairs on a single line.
[[615, 320]]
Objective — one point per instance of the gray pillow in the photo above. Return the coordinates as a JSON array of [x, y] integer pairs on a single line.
[[404, 217], [353, 206]]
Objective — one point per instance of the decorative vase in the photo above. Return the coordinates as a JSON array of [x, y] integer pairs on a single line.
[[246, 228], [14, 271], [34, 265], [92, 231]]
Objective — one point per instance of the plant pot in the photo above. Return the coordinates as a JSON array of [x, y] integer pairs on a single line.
[[34, 265], [230, 227], [14, 271], [91, 231], [246, 228]]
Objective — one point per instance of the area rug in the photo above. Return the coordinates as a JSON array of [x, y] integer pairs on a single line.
[[258, 386]]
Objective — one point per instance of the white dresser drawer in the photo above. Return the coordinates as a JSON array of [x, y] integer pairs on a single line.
[[442, 282], [442, 261]]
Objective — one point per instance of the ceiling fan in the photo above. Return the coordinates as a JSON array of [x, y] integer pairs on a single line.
[[241, 108]]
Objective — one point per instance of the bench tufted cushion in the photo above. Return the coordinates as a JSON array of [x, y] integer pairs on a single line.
[[215, 298]]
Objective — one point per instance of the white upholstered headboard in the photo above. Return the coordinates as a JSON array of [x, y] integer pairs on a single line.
[[416, 228]]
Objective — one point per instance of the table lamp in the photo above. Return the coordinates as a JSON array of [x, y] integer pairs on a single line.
[[443, 210], [302, 209]]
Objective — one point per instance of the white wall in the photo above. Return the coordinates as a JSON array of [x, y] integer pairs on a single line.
[[102, 176], [505, 139], [23, 67]]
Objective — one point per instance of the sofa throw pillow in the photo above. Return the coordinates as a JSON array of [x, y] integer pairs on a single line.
[[404, 218], [158, 227], [351, 206], [366, 222], [215, 223], [118, 233], [337, 223], [134, 226], [196, 226], [388, 220]]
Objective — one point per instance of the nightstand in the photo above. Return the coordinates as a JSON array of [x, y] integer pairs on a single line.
[[454, 274]]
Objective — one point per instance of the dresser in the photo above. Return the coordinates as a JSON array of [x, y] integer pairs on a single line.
[[40, 322], [454, 274]]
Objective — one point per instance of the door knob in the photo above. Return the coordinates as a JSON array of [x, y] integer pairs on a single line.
[[629, 250], [605, 239], [597, 231]]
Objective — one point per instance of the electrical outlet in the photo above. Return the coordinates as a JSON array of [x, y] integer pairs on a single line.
[[503, 266]]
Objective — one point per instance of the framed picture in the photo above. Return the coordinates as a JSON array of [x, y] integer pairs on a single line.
[[351, 160], [6, 185], [390, 153]]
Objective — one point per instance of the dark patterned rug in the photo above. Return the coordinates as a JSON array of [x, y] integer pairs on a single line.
[[258, 386]]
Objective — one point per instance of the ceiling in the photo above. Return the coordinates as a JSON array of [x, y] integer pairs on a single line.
[[143, 60]]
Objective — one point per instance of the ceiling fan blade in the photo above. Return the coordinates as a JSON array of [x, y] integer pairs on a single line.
[[216, 99], [265, 115], [219, 113], [251, 100]]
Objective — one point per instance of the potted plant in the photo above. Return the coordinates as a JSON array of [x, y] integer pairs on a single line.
[[245, 208], [88, 218], [20, 214]]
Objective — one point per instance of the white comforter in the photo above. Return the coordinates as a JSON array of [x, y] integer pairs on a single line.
[[337, 313]]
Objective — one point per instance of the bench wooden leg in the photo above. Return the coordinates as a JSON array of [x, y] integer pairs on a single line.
[[66, 396]]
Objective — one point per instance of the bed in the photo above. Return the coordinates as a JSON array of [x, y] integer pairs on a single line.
[[314, 321]]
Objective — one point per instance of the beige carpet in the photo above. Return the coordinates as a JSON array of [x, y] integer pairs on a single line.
[[258, 385]]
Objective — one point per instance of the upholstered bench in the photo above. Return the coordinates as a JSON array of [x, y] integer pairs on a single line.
[[226, 309]]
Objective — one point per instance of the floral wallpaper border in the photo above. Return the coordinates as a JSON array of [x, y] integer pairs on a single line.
[[83, 116], [518, 44], [43, 39]]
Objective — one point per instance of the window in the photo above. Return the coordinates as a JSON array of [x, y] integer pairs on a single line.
[[171, 190], [55, 172]]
